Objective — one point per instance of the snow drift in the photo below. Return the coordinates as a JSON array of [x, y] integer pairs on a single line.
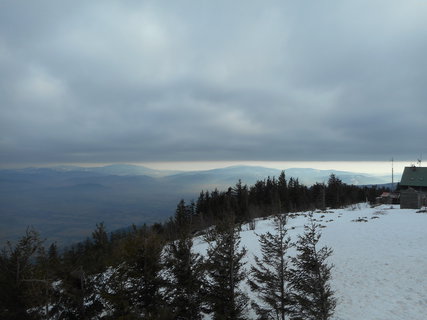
[[380, 259]]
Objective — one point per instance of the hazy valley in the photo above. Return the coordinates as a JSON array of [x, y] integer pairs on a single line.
[[65, 203]]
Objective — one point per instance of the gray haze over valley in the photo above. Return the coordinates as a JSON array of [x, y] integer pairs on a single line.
[[65, 203]]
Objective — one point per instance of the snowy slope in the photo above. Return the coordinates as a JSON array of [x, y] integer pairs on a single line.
[[380, 265]]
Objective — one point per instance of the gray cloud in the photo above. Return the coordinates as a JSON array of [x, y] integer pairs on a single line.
[[191, 80]]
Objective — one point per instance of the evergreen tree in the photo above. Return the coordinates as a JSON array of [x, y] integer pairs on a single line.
[[182, 219], [270, 274], [225, 270], [185, 274], [118, 294], [100, 248], [100, 237], [20, 289], [133, 289], [71, 294], [53, 258], [184, 269], [282, 186], [318, 194], [310, 281], [294, 190], [334, 192], [145, 270], [46, 270], [240, 193]]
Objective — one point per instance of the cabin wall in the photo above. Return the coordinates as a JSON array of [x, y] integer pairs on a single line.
[[412, 199]]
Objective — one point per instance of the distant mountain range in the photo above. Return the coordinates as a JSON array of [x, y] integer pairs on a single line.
[[64, 203], [119, 169], [222, 176]]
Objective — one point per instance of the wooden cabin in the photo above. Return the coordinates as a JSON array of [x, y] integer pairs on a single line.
[[413, 188]]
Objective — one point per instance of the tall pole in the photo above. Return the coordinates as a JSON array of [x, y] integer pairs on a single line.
[[392, 175]]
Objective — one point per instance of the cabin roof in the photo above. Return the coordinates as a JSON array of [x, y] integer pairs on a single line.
[[414, 177]]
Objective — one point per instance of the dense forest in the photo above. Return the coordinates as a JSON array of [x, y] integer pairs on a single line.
[[151, 272]]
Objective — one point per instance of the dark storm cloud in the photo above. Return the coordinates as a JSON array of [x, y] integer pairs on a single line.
[[148, 81]]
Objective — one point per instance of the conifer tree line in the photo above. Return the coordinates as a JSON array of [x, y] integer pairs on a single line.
[[271, 195], [152, 272]]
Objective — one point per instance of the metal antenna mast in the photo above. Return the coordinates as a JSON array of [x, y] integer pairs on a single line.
[[392, 175]]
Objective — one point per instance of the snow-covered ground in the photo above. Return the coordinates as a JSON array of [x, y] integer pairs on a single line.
[[380, 261]]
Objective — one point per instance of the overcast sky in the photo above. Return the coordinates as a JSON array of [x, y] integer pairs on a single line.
[[148, 81]]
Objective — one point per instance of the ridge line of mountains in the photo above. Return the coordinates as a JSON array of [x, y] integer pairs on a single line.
[[65, 203]]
